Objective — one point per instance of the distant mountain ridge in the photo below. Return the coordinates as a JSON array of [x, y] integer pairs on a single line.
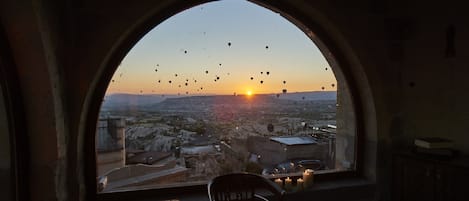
[[312, 95], [127, 101]]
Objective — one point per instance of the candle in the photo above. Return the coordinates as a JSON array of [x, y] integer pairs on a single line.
[[279, 182], [299, 184], [311, 173], [288, 185], [308, 175]]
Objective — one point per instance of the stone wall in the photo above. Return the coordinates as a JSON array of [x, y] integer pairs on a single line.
[[393, 54]]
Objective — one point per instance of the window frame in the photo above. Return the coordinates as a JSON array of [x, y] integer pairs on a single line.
[[289, 12]]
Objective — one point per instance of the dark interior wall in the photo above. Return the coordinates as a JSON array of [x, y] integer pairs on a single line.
[[19, 22], [5, 160], [432, 85], [393, 50]]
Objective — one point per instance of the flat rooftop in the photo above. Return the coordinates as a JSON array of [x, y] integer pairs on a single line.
[[294, 140]]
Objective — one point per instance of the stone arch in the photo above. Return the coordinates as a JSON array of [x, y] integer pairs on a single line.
[[315, 24]]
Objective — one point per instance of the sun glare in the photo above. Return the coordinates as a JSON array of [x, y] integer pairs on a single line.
[[249, 93]]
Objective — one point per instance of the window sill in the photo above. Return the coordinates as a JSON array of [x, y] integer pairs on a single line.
[[345, 189]]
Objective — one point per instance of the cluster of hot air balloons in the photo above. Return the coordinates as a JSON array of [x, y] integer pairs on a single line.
[[188, 82]]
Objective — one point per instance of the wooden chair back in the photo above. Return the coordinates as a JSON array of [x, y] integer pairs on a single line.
[[243, 187]]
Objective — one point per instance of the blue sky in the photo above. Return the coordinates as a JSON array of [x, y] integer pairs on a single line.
[[244, 38]]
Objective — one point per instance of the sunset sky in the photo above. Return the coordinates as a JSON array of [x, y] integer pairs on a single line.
[[232, 40]]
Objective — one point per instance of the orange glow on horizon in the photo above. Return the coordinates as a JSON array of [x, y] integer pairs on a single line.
[[212, 90]]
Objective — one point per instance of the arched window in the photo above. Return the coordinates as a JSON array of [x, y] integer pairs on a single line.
[[224, 87]]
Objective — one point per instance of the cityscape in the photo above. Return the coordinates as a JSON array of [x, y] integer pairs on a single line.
[[198, 97], [184, 140]]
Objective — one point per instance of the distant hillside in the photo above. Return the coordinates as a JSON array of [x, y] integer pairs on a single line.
[[313, 95], [136, 101], [127, 101]]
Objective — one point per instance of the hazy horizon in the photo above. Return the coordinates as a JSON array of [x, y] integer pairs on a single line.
[[207, 94]]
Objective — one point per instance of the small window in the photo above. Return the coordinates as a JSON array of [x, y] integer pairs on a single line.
[[223, 87]]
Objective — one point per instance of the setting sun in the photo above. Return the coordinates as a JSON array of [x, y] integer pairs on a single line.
[[249, 93]]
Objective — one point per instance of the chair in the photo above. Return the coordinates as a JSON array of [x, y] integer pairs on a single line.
[[243, 186]]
